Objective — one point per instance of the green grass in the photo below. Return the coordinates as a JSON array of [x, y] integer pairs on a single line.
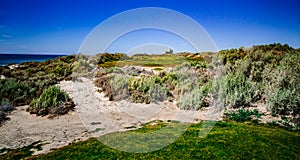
[[158, 69], [20, 152], [226, 140], [151, 61]]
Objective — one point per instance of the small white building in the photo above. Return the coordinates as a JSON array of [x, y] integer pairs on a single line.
[[169, 51]]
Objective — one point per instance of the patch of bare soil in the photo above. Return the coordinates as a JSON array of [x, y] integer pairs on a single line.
[[23, 129]]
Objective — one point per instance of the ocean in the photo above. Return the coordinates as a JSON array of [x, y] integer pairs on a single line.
[[18, 58]]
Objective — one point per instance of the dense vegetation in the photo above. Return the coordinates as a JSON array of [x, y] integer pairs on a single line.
[[269, 73], [225, 141], [28, 81], [141, 87], [265, 74]]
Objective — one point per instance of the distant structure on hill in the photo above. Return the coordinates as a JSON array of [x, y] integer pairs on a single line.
[[169, 51]]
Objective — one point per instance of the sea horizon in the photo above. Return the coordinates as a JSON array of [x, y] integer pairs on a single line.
[[17, 58]]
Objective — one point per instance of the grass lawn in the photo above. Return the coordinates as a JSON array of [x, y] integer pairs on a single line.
[[227, 140], [152, 61]]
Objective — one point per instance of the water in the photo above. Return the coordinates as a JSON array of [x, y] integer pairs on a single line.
[[18, 58]]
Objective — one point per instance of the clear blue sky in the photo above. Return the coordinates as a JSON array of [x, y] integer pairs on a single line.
[[60, 26]]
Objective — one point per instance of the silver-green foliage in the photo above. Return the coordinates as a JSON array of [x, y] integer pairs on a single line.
[[50, 99], [240, 90], [195, 99], [147, 89], [119, 86], [283, 86]]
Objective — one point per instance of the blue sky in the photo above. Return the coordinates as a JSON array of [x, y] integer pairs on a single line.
[[60, 26]]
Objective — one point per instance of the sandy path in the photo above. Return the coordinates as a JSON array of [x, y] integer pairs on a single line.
[[23, 129]]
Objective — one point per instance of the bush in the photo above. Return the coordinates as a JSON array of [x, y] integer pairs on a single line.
[[230, 56], [135, 71], [181, 80], [108, 57], [81, 66], [282, 86], [105, 71], [196, 99], [114, 86], [242, 115], [170, 80], [120, 86], [269, 73], [147, 89], [4, 70], [140, 90], [14, 91], [51, 101], [26, 82], [158, 92], [2, 116], [199, 64], [240, 90], [6, 107]]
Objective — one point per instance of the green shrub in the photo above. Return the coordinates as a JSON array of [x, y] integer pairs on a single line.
[[140, 90], [242, 115], [240, 90], [199, 64], [105, 71], [196, 99], [147, 89], [51, 101], [265, 53], [170, 80], [80, 66], [4, 70], [180, 81], [105, 83], [2, 116], [120, 86], [6, 107], [265, 73], [158, 92], [14, 91], [230, 56], [26, 82], [108, 57], [282, 86], [114, 86]]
